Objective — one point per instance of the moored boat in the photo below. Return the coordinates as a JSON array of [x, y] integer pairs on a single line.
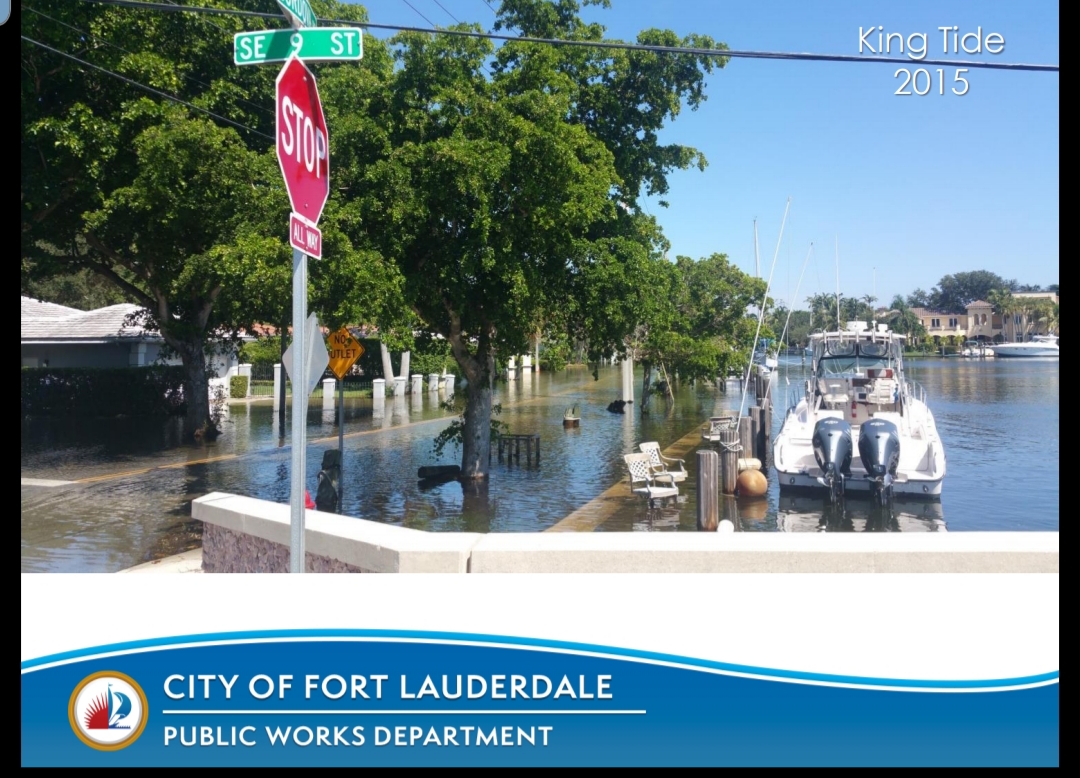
[[1038, 346], [860, 424]]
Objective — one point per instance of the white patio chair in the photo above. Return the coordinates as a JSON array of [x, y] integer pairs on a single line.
[[659, 461], [646, 481]]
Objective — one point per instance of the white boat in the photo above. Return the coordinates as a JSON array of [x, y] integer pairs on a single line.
[[860, 425], [1038, 346]]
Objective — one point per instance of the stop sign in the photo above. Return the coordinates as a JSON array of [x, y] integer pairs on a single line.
[[302, 140]]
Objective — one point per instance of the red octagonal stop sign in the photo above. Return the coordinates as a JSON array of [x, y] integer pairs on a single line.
[[303, 149]]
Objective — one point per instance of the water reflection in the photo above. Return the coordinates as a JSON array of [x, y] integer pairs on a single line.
[[809, 514], [998, 421]]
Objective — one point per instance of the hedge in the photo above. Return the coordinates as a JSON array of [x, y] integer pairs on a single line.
[[238, 386], [156, 390]]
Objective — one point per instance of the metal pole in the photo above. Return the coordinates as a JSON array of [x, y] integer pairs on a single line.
[[299, 413], [341, 438]]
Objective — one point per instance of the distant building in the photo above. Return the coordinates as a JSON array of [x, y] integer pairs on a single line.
[[57, 336], [939, 324], [979, 322]]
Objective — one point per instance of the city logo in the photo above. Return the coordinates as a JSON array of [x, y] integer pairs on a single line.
[[108, 711]]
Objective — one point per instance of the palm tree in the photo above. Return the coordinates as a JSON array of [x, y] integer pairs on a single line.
[[1004, 304], [1045, 312]]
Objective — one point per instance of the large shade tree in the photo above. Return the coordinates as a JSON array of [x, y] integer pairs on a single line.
[[507, 193], [178, 205]]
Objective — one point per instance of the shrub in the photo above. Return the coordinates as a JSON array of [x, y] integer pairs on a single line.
[[238, 386], [156, 390]]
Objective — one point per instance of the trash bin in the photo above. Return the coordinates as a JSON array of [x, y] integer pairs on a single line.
[[329, 479]]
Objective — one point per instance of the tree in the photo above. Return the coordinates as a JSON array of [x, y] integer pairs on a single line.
[[918, 299], [953, 292], [183, 212], [705, 331], [498, 197], [903, 320]]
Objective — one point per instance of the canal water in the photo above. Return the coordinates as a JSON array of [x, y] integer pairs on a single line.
[[129, 484]]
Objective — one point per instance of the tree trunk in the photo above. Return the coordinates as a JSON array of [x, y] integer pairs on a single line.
[[198, 424], [646, 385], [476, 445]]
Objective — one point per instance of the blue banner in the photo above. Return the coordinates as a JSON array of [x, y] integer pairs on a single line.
[[376, 698]]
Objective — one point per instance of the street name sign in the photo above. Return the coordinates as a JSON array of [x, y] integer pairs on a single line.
[[303, 149], [344, 351], [312, 45], [299, 13]]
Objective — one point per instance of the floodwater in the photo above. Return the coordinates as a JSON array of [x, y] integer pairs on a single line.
[[131, 483]]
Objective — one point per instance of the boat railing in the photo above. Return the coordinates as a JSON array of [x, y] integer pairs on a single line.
[[915, 391]]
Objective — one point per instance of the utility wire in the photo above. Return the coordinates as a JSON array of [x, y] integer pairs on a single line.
[[418, 12], [192, 79], [447, 12], [695, 51], [489, 5], [150, 89]]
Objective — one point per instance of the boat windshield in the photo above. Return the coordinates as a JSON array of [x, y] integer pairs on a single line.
[[852, 359], [850, 366]]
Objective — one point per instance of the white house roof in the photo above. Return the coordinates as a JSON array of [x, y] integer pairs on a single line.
[[39, 309], [49, 322]]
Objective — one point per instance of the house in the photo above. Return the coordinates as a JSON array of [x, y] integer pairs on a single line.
[[939, 324], [980, 322], [57, 336], [983, 323]]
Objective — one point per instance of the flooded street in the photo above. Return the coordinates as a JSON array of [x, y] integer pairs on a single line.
[[130, 484]]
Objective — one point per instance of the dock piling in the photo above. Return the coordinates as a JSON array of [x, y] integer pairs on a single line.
[[708, 495]]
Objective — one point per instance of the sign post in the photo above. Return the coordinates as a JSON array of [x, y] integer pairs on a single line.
[[344, 351], [303, 152]]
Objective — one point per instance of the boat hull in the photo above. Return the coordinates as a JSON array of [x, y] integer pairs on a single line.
[[921, 466], [800, 483], [1019, 352]]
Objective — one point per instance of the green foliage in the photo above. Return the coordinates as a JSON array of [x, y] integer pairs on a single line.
[[88, 392], [262, 352], [81, 289], [555, 355], [699, 327], [454, 434], [183, 214], [954, 292], [238, 386]]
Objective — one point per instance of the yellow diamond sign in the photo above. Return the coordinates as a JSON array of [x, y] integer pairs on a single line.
[[344, 351]]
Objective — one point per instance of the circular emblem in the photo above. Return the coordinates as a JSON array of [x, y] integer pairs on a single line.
[[108, 711]]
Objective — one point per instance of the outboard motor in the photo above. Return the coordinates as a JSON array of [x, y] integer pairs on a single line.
[[879, 449], [833, 451]]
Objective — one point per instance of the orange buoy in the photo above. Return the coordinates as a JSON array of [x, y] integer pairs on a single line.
[[751, 483]]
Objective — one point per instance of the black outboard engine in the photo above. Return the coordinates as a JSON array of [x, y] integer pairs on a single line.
[[833, 451], [879, 449]]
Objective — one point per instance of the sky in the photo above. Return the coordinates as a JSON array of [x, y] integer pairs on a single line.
[[895, 191]]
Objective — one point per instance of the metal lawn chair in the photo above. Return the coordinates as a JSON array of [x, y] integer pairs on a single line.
[[659, 461], [646, 481]]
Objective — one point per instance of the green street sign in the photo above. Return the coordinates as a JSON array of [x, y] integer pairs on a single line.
[[298, 12], [316, 43]]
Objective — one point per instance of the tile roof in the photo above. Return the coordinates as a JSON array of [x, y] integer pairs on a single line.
[[979, 303], [40, 309], [46, 321]]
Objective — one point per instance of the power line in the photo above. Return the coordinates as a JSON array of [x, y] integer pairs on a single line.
[[418, 12], [489, 5], [150, 89], [656, 49], [192, 79], [447, 12]]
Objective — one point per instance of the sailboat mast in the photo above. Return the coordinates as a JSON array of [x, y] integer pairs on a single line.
[[757, 257], [838, 327]]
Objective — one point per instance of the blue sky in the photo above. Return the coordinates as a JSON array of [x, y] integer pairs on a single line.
[[912, 186]]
